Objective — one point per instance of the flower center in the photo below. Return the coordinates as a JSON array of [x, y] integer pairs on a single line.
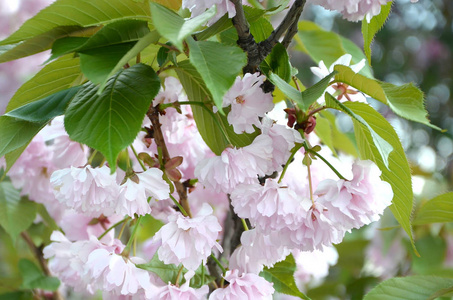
[[240, 99]]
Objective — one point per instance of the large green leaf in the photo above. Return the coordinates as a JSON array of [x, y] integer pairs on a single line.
[[109, 122], [261, 29], [96, 64], [16, 213], [39, 43], [437, 210], [45, 109], [432, 251], [79, 13], [369, 29], [213, 128], [166, 272], [411, 288], [383, 147], [173, 27], [16, 133], [282, 276], [218, 74], [56, 76], [398, 173], [33, 277], [406, 100], [112, 34], [278, 62]]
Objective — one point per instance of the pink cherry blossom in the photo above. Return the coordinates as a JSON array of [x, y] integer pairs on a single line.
[[189, 240], [132, 199], [171, 93], [86, 190], [248, 103], [245, 286], [359, 201], [183, 292], [197, 7], [354, 10], [313, 266], [235, 166]]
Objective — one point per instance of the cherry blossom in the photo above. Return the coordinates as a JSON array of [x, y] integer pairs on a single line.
[[354, 10], [189, 240]]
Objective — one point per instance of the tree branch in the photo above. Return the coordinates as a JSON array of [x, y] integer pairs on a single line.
[[153, 115]]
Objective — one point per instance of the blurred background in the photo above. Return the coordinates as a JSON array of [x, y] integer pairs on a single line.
[[416, 45]]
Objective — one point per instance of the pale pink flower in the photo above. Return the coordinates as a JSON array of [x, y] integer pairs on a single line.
[[354, 10], [283, 140], [183, 292], [257, 250], [66, 153], [270, 207], [134, 193], [235, 166], [86, 190], [108, 271], [189, 240], [359, 201], [245, 286], [248, 103], [171, 93], [218, 201], [348, 92]]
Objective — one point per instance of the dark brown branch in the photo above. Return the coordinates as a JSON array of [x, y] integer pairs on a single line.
[[153, 115], [42, 262], [292, 31]]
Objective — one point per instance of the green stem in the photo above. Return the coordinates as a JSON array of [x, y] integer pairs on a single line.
[[310, 182], [131, 239], [326, 162], [246, 228], [122, 230], [218, 263], [139, 161], [179, 275], [92, 156], [293, 153], [202, 273], [113, 226], [179, 206]]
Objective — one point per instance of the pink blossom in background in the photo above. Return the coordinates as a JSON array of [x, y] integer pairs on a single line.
[[183, 292], [354, 10], [197, 7], [248, 103], [312, 267], [189, 240], [245, 286]]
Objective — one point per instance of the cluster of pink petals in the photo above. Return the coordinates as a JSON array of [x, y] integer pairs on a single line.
[[89, 265], [86, 190], [354, 10], [357, 202], [172, 92], [235, 166], [313, 266], [283, 140], [134, 193], [248, 103], [189, 240], [244, 286]]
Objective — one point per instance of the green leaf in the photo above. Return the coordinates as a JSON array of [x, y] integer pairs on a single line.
[[383, 147], [218, 75], [21, 295], [398, 173], [287, 89], [313, 93], [357, 56], [432, 251], [144, 42], [16, 133], [13, 156], [411, 288], [212, 127], [166, 272], [109, 122], [78, 13], [406, 100], [369, 29], [196, 280], [56, 76], [437, 210], [40, 43], [45, 109], [173, 27], [278, 62], [33, 278], [282, 275], [66, 45], [96, 64], [261, 29], [16, 213]]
